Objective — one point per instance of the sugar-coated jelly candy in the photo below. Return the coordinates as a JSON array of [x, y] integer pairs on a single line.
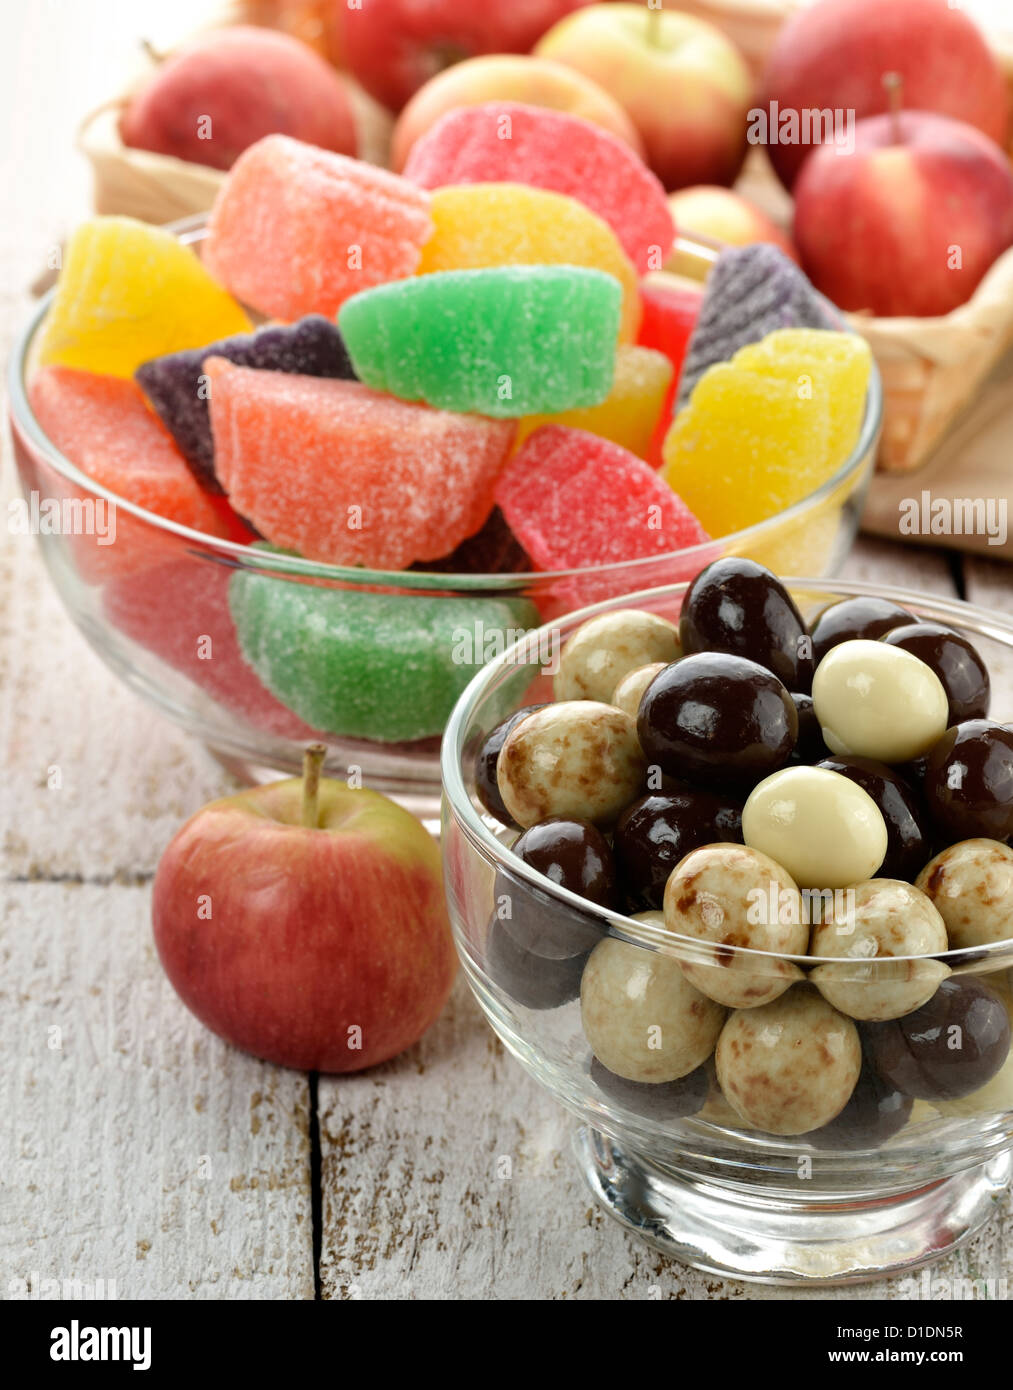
[[907, 823], [359, 664], [103, 424], [727, 896], [295, 230], [877, 701], [737, 606], [956, 662], [877, 919], [507, 341], [494, 224], [573, 499], [656, 832], [751, 291], [173, 383], [128, 292], [509, 142], [340, 473], [664, 1100], [753, 441], [789, 1066], [825, 829], [606, 648], [968, 784], [642, 1018], [573, 854], [629, 414], [574, 758], [971, 883], [715, 718], [486, 760], [852, 618], [948, 1048]]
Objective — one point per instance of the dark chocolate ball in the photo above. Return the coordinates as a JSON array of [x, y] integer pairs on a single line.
[[717, 719], [968, 784], [853, 618], [664, 1100], [963, 674], [573, 854], [532, 981], [948, 1048], [809, 747], [875, 1113], [909, 842], [485, 765], [654, 833], [739, 607]]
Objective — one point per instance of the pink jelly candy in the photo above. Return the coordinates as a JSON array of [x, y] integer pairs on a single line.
[[343, 474], [509, 142], [296, 230]]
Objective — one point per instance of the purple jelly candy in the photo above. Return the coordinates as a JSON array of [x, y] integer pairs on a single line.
[[751, 291], [310, 347], [494, 549]]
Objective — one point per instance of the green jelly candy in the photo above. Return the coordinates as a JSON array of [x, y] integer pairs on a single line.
[[508, 341], [388, 667]]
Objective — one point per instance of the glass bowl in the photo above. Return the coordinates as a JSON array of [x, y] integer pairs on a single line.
[[705, 1187], [384, 654]]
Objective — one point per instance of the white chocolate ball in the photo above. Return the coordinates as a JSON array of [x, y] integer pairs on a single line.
[[789, 1066], [642, 1018], [606, 648], [971, 884], [733, 896], [869, 921], [877, 701], [630, 690], [578, 759], [823, 828]]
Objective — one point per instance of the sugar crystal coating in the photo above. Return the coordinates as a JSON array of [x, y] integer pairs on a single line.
[[295, 230], [508, 141], [339, 473], [173, 383], [503, 342]]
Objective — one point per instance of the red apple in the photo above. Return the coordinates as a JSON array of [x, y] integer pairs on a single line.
[[686, 87], [509, 77], [726, 217], [225, 91], [306, 924], [910, 221], [833, 55], [394, 47]]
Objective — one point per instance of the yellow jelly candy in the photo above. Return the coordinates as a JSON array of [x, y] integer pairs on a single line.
[[757, 438], [129, 292], [629, 413], [489, 224]]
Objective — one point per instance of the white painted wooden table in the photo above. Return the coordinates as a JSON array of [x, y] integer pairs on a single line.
[[135, 1148]]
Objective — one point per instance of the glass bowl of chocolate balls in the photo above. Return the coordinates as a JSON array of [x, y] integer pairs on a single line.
[[729, 870]]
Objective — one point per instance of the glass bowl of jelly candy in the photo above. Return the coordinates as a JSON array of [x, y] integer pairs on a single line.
[[255, 648], [784, 1075]]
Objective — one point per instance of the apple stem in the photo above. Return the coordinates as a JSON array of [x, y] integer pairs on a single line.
[[152, 52], [312, 760], [894, 84], [653, 24]]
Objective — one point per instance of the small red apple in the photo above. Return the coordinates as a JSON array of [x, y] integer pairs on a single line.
[[910, 221], [393, 47], [724, 216], [832, 56], [306, 923], [226, 90]]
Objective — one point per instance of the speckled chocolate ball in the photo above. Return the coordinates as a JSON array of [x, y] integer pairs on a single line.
[[956, 662], [729, 897], [968, 783], [853, 618], [606, 648], [971, 884], [825, 829], [485, 765], [874, 1114], [864, 925], [642, 1018], [630, 690], [878, 701], [948, 1048], [578, 759], [667, 1100], [653, 834], [739, 607], [532, 981], [790, 1066]]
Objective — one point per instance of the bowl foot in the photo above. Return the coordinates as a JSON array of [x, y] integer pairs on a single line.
[[759, 1237]]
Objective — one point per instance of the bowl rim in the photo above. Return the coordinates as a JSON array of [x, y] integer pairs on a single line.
[[638, 932], [191, 230]]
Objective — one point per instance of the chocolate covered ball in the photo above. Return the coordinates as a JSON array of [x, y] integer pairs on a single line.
[[853, 618], [665, 1100], [908, 834], [630, 690], [487, 759], [572, 854], [655, 832], [968, 783], [971, 884], [877, 701], [957, 663], [606, 648], [874, 1114], [533, 981]]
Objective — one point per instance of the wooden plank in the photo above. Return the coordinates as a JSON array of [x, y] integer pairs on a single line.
[[138, 1148], [875, 561]]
